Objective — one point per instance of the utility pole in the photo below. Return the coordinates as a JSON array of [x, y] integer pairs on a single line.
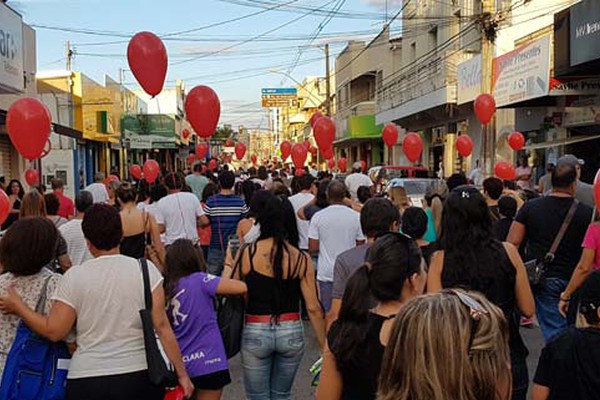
[[68, 55], [489, 27], [327, 81]]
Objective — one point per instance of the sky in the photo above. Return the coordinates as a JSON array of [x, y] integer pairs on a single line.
[[233, 58]]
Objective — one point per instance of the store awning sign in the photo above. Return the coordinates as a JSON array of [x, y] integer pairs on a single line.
[[11, 50], [574, 86], [585, 32], [469, 80], [522, 74]]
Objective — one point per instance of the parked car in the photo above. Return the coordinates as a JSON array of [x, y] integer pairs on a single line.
[[381, 175], [415, 188]]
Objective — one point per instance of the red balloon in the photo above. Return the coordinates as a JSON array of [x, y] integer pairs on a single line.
[[464, 145], [286, 149], [203, 169], [300, 172], [253, 158], [413, 146], [596, 190], [505, 171], [136, 171], [29, 124], [331, 163], [299, 154], [151, 171], [342, 164], [314, 118], [185, 133], [485, 107], [32, 177], [240, 150], [147, 57], [516, 140], [4, 206], [203, 110], [327, 153], [363, 165], [313, 151], [324, 131], [175, 394], [212, 164], [390, 134], [191, 158], [229, 143], [201, 150]]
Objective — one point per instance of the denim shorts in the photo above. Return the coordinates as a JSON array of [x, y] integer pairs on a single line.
[[271, 355]]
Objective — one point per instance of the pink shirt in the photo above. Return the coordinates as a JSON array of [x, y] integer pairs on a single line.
[[592, 242]]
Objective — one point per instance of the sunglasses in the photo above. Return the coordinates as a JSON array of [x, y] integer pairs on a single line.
[[476, 311]]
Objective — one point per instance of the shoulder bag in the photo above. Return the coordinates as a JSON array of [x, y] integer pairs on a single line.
[[36, 368], [160, 370], [536, 269]]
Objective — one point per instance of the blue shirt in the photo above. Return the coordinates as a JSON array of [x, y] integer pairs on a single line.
[[430, 235], [224, 212]]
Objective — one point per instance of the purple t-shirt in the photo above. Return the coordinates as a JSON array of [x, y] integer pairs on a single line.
[[194, 321]]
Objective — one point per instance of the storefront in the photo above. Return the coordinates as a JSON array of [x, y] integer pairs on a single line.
[[361, 142]]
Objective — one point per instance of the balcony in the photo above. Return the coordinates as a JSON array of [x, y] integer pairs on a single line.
[[428, 84]]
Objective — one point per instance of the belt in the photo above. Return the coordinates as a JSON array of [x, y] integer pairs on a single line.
[[267, 319]]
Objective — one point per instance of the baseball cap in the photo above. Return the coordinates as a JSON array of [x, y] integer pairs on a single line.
[[570, 159], [357, 165]]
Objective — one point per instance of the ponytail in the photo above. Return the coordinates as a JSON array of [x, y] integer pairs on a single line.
[[350, 327], [437, 207]]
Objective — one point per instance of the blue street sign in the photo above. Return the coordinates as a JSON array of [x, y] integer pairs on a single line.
[[279, 91]]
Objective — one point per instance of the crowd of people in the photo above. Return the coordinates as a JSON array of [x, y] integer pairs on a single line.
[[406, 302]]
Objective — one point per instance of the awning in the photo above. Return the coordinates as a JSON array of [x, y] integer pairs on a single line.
[[561, 142], [66, 131], [357, 139]]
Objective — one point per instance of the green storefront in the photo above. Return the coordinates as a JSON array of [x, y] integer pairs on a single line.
[[361, 142]]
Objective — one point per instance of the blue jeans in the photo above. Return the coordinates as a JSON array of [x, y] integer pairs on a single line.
[[271, 355], [214, 261], [546, 306]]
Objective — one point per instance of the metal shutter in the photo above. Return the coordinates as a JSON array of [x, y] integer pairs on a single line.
[[5, 152]]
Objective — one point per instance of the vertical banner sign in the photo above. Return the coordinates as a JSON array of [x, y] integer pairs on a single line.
[[11, 50], [469, 80]]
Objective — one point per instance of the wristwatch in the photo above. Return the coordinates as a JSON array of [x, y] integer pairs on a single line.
[[562, 298]]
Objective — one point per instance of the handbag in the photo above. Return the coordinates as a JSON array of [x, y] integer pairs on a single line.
[[160, 370], [36, 368], [230, 316], [536, 269]]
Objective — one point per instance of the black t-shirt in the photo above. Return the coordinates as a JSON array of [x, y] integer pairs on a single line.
[[543, 218], [428, 251], [570, 365], [501, 228]]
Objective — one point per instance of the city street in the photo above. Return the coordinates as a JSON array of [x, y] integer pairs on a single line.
[[302, 389]]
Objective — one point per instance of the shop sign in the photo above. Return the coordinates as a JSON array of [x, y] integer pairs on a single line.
[[11, 49], [574, 86], [522, 74], [279, 97], [585, 32], [469, 80], [582, 113]]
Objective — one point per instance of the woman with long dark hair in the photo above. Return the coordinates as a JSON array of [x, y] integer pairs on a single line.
[[473, 259], [393, 274], [190, 293], [277, 275], [15, 193]]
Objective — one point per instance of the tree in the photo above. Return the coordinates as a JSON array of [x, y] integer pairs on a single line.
[[224, 132]]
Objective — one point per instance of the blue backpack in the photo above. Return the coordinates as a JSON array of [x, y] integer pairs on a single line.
[[36, 368]]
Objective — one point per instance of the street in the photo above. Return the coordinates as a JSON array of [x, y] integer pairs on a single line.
[[302, 389]]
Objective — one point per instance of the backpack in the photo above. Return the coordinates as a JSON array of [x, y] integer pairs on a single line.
[[36, 368]]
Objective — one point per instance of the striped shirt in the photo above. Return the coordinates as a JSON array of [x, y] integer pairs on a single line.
[[224, 212]]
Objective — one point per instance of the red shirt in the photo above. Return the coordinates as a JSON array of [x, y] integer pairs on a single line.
[[67, 207]]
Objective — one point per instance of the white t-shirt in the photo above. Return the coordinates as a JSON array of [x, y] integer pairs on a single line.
[[477, 177], [356, 180], [76, 245], [298, 201], [107, 293], [337, 228], [178, 212], [98, 191]]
